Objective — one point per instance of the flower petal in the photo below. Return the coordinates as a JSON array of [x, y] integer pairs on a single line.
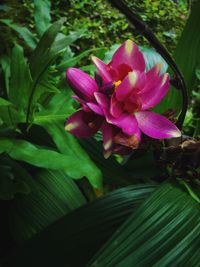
[[128, 54], [152, 78], [116, 108], [96, 108], [82, 102], [103, 101], [127, 123], [82, 84], [152, 97], [156, 125], [83, 124], [108, 132], [103, 69], [127, 85]]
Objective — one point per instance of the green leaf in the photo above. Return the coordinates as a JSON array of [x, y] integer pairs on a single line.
[[83, 231], [52, 119], [49, 48], [75, 60], [5, 64], [187, 57], [5, 8], [10, 116], [14, 179], [42, 15], [152, 57], [110, 52], [113, 172], [68, 145], [40, 58], [49, 159], [57, 110], [63, 41], [53, 195], [23, 32], [20, 80], [163, 232], [4, 102]]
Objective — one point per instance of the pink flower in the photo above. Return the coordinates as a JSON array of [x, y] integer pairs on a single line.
[[118, 102]]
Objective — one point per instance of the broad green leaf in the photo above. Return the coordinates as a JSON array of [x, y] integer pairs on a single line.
[[5, 64], [5, 8], [49, 159], [14, 179], [53, 195], [75, 60], [52, 118], [11, 116], [110, 52], [73, 239], [57, 110], [163, 232], [28, 37], [187, 57], [50, 46], [39, 60], [4, 102], [113, 173], [68, 145], [42, 15], [63, 41], [197, 129], [152, 57], [20, 78]]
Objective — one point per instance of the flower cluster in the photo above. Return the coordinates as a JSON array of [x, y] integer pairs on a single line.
[[118, 101]]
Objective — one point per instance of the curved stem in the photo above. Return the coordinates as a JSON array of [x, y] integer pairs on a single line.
[[145, 30]]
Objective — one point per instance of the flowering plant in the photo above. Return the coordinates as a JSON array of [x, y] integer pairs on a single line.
[[118, 101]]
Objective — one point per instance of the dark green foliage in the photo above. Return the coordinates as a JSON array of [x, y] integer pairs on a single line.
[[83, 231], [52, 196], [163, 232]]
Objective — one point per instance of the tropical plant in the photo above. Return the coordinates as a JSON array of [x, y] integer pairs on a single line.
[[49, 178]]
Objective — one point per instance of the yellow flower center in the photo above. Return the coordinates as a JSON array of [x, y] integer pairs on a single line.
[[117, 83]]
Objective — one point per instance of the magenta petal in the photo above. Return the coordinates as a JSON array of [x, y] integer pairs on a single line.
[[156, 126], [94, 107], [127, 85], [108, 134], [103, 101], [82, 124], [82, 84], [82, 102], [103, 69], [116, 108], [127, 123], [152, 97], [128, 54], [153, 78]]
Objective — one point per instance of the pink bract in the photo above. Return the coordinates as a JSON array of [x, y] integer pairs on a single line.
[[120, 105]]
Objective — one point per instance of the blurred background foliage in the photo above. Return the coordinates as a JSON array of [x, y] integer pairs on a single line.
[[103, 24]]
